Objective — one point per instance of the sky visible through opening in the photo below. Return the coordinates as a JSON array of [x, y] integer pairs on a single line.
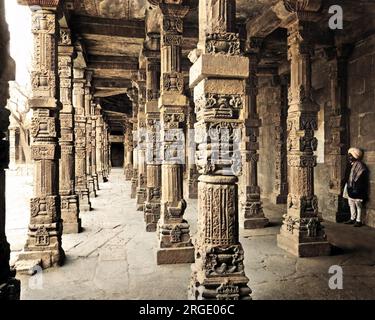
[[21, 41]]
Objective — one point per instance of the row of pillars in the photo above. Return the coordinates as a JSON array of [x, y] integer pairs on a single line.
[[70, 141], [224, 85]]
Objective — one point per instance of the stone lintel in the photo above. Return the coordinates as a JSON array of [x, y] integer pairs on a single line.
[[219, 66]]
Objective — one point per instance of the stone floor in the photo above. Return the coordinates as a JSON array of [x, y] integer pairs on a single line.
[[114, 258]]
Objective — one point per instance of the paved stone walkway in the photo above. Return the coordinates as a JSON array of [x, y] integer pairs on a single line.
[[114, 258]]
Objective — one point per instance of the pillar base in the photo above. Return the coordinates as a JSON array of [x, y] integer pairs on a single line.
[[133, 193], [152, 216], [141, 199], [71, 228], [10, 290], [218, 274], [84, 200], [256, 223], [96, 181], [175, 255], [46, 259], [70, 214], [91, 185], [303, 249]]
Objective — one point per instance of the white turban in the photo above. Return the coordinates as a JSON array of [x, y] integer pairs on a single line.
[[356, 153]]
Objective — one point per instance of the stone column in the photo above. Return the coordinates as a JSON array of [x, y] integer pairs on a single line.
[[9, 286], [337, 142], [89, 137], [68, 196], [175, 244], [80, 140], [129, 151], [252, 205], [301, 233], [151, 51], [43, 245], [106, 156], [133, 96], [192, 172], [279, 121], [99, 143], [94, 171], [142, 135], [218, 77]]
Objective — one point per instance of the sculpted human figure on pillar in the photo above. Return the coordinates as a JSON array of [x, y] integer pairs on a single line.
[[43, 245], [252, 204], [218, 78], [80, 139], [151, 52], [302, 233], [9, 286], [68, 196]]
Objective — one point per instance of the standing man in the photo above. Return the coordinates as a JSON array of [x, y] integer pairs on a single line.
[[357, 186]]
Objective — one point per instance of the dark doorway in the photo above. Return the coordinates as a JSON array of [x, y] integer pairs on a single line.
[[117, 155]]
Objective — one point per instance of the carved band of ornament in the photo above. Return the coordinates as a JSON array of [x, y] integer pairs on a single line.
[[219, 224], [220, 261], [173, 24], [43, 80], [43, 152], [303, 161], [43, 23], [173, 82], [172, 40], [4, 154], [65, 37], [152, 95], [223, 43], [43, 207], [43, 127]]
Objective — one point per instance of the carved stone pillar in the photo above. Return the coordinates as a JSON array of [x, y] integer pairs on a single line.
[[218, 77], [281, 165], [89, 137], [337, 142], [301, 233], [134, 180], [80, 140], [12, 147], [129, 152], [99, 143], [94, 171], [175, 244], [9, 286], [192, 172], [252, 204], [142, 136], [151, 52], [68, 196], [43, 245], [106, 151]]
